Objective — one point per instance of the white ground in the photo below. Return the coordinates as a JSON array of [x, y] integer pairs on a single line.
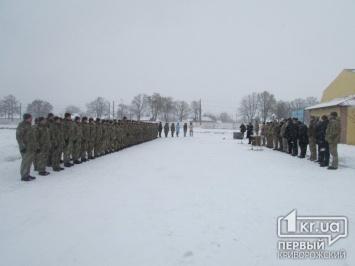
[[206, 200]]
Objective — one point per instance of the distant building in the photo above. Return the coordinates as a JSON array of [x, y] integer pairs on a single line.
[[339, 96]]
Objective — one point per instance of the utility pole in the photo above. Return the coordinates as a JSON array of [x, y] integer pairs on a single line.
[[113, 109], [200, 113]]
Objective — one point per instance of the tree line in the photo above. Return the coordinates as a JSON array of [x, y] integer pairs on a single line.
[[260, 106], [264, 106]]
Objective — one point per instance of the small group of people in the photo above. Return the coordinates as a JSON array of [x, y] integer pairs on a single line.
[[175, 129], [54, 140], [293, 137]]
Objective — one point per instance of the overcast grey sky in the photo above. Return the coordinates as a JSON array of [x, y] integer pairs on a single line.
[[71, 51]]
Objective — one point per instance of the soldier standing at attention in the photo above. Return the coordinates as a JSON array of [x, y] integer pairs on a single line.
[[68, 139], [85, 138], [77, 140], [91, 144], [172, 129], [160, 129], [44, 145], [177, 129], [166, 129], [55, 132], [312, 143], [332, 136], [49, 119], [25, 135]]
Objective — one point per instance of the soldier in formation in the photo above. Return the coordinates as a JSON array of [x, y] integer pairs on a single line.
[[322, 136], [81, 140]]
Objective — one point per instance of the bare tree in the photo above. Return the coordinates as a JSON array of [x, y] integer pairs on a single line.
[[266, 104], [122, 110], [98, 107], [282, 109], [73, 109], [39, 108], [225, 117], [154, 103], [298, 103], [10, 106], [249, 106], [195, 109], [168, 108], [310, 101], [212, 116], [182, 110], [139, 105]]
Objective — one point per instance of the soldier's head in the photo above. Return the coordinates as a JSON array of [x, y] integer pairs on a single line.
[[50, 116], [91, 120], [84, 119], [56, 119], [295, 120], [333, 114], [311, 118], [42, 120], [27, 117], [324, 117], [77, 119], [67, 116], [98, 120]]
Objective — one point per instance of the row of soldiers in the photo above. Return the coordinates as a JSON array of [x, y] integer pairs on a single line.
[[290, 135], [53, 138]]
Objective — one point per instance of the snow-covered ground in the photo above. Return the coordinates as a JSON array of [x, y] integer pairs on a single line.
[[206, 200]]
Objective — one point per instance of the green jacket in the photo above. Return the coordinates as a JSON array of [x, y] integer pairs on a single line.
[[332, 134], [56, 135], [25, 136], [42, 137], [77, 132], [68, 129]]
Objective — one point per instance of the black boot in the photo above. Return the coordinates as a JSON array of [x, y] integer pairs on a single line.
[[68, 165], [31, 177], [43, 173], [25, 178]]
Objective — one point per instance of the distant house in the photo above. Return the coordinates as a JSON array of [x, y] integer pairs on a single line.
[[339, 96]]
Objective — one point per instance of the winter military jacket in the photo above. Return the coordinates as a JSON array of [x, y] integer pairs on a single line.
[[42, 137], [323, 130], [311, 127], [92, 129], [68, 130], [160, 127], [333, 131], [256, 126], [302, 135], [283, 129], [317, 132], [291, 132], [98, 132], [242, 128], [25, 135], [56, 135], [86, 132], [77, 132]]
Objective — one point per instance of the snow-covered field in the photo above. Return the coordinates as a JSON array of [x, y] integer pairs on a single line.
[[206, 200]]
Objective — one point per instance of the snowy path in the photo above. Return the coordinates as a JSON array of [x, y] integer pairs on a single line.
[[177, 201]]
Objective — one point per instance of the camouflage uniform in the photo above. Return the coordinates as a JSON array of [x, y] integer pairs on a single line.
[[91, 144], [98, 140], [68, 134], [312, 142], [85, 140], [25, 135], [77, 137], [57, 140], [44, 145], [332, 136]]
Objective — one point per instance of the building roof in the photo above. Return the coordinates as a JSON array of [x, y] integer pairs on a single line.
[[344, 101]]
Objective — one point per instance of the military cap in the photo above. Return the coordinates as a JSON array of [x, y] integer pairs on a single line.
[[39, 119], [26, 116], [67, 115]]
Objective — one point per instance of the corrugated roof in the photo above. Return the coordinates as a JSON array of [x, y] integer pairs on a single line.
[[344, 101]]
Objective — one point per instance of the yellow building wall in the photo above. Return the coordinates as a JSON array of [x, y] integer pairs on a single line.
[[350, 137], [343, 85], [343, 114]]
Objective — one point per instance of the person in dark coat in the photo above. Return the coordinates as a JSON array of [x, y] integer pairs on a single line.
[[316, 136], [303, 139], [166, 129], [172, 129], [242, 129], [250, 132], [185, 129], [324, 145], [291, 134], [160, 129]]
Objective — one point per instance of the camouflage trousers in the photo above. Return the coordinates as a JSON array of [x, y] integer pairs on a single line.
[[269, 141], [68, 150], [333, 149], [91, 146], [76, 150], [57, 155], [84, 148], [313, 149], [285, 144], [276, 141], [41, 159], [50, 157], [26, 163], [98, 147]]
